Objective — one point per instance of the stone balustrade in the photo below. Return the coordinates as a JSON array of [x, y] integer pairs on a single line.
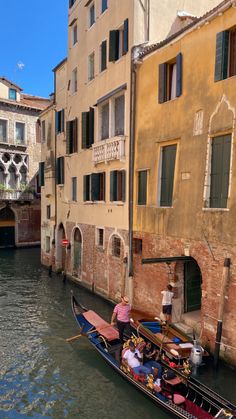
[[107, 150]]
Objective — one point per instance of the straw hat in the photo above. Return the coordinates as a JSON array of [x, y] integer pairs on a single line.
[[125, 299]]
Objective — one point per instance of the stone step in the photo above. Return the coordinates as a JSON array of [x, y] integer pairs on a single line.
[[183, 327]]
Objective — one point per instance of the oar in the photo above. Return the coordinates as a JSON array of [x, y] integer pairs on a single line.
[[74, 338], [84, 334]]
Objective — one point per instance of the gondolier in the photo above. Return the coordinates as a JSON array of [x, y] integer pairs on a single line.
[[122, 314]]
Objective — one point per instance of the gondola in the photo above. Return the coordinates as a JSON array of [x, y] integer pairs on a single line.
[[198, 401]]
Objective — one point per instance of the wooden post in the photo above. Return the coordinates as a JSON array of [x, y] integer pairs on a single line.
[[225, 278]]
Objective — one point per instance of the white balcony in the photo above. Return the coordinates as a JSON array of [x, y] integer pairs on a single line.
[[16, 195], [107, 150]]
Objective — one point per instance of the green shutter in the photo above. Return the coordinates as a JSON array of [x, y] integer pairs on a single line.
[[57, 171], [57, 122], [95, 186], [68, 137], [104, 55], [220, 166], [41, 174], [75, 135], [113, 182], [62, 120], [179, 70], [162, 83], [221, 58], [142, 187], [85, 190], [91, 126], [126, 36], [62, 171], [113, 45], [123, 185], [85, 129], [167, 175]]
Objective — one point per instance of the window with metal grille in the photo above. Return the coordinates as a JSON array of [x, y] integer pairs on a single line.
[[116, 246], [100, 237]]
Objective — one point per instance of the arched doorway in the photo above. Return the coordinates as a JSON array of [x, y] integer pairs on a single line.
[[61, 250], [77, 255], [192, 286], [7, 227]]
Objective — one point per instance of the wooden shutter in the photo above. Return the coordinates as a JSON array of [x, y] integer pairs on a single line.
[[162, 82], [113, 182], [57, 122], [85, 129], [142, 187], [126, 36], [123, 185], [38, 131], [113, 45], [179, 69], [60, 170], [68, 137], [41, 174], [86, 188], [221, 59], [220, 166], [91, 127], [95, 186], [167, 175], [75, 135], [62, 121], [104, 55], [232, 57]]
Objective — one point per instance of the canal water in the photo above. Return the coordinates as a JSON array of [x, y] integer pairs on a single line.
[[41, 375]]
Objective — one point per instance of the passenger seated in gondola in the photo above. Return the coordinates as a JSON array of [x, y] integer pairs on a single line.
[[149, 359], [133, 359]]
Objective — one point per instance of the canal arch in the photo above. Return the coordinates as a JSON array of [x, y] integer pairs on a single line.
[[7, 227], [61, 250], [77, 246]]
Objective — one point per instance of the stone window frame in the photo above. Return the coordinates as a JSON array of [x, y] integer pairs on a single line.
[[97, 237], [25, 132], [7, 129]]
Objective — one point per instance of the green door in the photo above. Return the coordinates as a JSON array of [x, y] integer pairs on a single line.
[[7, 236], [192, 284]]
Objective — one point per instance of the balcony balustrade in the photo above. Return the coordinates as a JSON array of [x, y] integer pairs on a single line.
[[16, 195], [107, 150]]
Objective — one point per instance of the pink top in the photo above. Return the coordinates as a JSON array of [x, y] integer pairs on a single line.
[[122, 312]]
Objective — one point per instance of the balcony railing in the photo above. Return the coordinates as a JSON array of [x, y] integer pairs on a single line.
[[16, 196], [107, 150]]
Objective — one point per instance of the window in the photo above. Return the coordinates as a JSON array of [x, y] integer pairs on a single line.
[[116, 246], [119, 42], [119, 115], [43, 131], [100, 237], [60, 121], [104, 5], [137, 246], [48, 211], [74, 188], [170, 79], [225, 59], [168, 156], [20, 133], [91, 15], [94, 187], [47, 244], [74, 34], [91, 67], [117, 185], [41, 173], [12, 94], [60, 171], [71, 2], [104, 121], [3, 130], [220, 168], [103, 56], [142, 187], [72, 136], [74, 81], [88, 128]]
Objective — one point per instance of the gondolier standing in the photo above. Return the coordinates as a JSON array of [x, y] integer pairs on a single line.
[[122, 314]]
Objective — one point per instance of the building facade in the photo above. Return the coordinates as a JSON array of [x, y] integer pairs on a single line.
[[185, 176], [92, 138], [19, 157]]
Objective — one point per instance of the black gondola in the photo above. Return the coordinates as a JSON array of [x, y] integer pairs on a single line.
[[197, 400]]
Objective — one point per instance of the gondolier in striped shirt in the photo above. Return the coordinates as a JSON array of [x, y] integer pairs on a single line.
[[122, 314]]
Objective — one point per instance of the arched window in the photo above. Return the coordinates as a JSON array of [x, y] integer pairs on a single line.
[[12, 181]]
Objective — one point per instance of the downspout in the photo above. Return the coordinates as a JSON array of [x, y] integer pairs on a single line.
[[148, 21], [55, 164]]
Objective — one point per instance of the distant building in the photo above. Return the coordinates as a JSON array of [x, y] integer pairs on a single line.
[[20, 150]]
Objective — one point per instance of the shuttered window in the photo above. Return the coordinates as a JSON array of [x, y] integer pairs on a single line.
[[94, 187], [72, 136], [220, 167], [103, 56], [167, 175], [88, 128], [91, 15], [225, 58], [71, 2], [170, 79], [74, 188], [60, 121], [104, 6], [142, 187], [119, 42], [60, 171], [117, 185], [41, 173]]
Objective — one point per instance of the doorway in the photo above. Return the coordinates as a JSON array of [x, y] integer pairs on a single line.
[[7, 227], [77, 253], [192, 286]]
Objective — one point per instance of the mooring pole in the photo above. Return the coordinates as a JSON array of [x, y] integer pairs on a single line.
[[225, 278]]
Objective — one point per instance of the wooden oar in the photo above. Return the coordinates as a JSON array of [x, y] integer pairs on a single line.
[[74, 338], [84, 334]]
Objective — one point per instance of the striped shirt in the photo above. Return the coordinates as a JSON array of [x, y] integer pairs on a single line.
[[122, 312]]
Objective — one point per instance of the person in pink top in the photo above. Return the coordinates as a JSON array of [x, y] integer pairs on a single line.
[[122, 314]]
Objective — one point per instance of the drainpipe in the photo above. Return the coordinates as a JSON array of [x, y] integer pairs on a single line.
[[148, 21], [225, 278], [55, 165]]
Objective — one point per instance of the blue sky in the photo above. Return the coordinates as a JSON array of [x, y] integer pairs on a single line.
[[33, 39]]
